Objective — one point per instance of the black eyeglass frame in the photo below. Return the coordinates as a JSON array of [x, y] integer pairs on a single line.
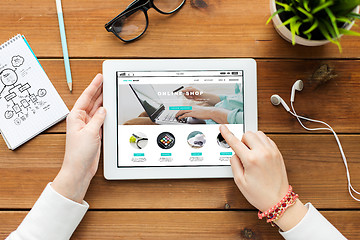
[[138, 5]]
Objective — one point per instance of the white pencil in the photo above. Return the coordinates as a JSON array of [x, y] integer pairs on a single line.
[[64, 44]]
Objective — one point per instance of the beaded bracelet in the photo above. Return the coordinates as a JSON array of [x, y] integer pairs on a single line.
[[278, 210]]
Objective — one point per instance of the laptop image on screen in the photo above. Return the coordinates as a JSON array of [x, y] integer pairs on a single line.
[[155, 108]]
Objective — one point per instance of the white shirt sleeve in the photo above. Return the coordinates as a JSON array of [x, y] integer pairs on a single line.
[[52, 217], [313, 226]]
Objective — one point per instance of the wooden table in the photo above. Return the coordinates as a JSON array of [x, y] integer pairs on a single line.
[[190, 209]]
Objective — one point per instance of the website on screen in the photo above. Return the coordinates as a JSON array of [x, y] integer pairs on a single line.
[[172, 118]]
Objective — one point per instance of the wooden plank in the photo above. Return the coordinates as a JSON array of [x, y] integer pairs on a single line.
[[314, 165], [335, 99], [329, 95], [231, 29], [181, 225]]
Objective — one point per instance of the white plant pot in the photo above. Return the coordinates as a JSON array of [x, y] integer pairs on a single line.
[[285, 33]]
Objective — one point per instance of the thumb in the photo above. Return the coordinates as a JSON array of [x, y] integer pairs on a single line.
[[97, 120], [238, 170]]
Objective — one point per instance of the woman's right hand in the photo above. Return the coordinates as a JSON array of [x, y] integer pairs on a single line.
[[198, 95], [260, 174], [258, 168], [193, 94]]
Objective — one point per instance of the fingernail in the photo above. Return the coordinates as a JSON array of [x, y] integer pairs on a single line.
[[222, 127], [101, 110]]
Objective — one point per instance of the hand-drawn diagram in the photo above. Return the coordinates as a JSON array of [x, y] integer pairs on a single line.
[[21, 101], [17, 61]]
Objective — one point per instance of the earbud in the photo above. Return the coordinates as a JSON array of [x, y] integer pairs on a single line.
[[276, 100], [298, 86]]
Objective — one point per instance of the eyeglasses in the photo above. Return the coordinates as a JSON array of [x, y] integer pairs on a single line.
[[133, 22]]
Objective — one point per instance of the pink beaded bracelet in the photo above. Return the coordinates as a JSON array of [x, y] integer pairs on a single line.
[[278, 210]]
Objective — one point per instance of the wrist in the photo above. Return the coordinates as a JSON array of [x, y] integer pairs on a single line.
[[287, 213], [292, 216], [205, 97], [219, 115], [71, 185]]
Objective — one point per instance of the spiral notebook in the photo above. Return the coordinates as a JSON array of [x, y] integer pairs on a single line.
[[29, 103]]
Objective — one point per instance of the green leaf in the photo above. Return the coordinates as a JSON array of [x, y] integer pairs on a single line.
[[333, 21], [325, 33], [306, 5], [353, 15], [289, 21], [296, 26], [308, 35], [344, 20], [344, 7], [275, 13], [321, 7], [349, 32], [312, 28], [293, 34], [330, 29], [309, 15], [287, 7]]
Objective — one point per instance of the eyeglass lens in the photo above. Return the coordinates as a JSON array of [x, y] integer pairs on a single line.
[[168, 6], [134, 24], [131, 26]]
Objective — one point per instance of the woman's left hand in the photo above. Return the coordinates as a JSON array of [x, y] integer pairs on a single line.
[[196, 112], [83, 142]]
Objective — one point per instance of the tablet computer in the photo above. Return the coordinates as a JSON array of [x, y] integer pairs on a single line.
[[163, 116]]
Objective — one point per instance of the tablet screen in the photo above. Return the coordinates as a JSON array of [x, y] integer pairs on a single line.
[[172, 118]]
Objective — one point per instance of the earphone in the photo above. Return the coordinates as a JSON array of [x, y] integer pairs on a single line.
[[298, 86], [137, 140]]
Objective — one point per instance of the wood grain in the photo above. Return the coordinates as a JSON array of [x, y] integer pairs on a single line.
[[336, 100], [314, 166], [181, 225], [166, 209], [229, 28]]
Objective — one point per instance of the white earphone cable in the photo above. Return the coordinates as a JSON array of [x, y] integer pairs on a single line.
[[329, 128]]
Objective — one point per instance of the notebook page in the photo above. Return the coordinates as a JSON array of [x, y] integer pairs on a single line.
[[29, 103]]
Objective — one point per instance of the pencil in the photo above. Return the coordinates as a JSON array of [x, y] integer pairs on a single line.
[[178, 89], [64, 44]]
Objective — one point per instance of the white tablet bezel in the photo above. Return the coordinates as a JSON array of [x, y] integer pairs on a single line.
[[110, 67]]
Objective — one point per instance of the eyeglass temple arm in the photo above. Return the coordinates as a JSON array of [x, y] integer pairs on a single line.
[[132, 5]]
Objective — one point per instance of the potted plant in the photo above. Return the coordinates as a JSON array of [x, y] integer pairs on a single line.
[[314, 22]]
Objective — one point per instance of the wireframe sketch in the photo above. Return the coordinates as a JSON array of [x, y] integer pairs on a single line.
[[21, 100]]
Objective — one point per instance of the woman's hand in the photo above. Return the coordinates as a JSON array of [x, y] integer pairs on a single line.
[[197, 95], [193, 94], [196, 112], [83, 142], [260, 174], [218, 115], [258, 168]]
